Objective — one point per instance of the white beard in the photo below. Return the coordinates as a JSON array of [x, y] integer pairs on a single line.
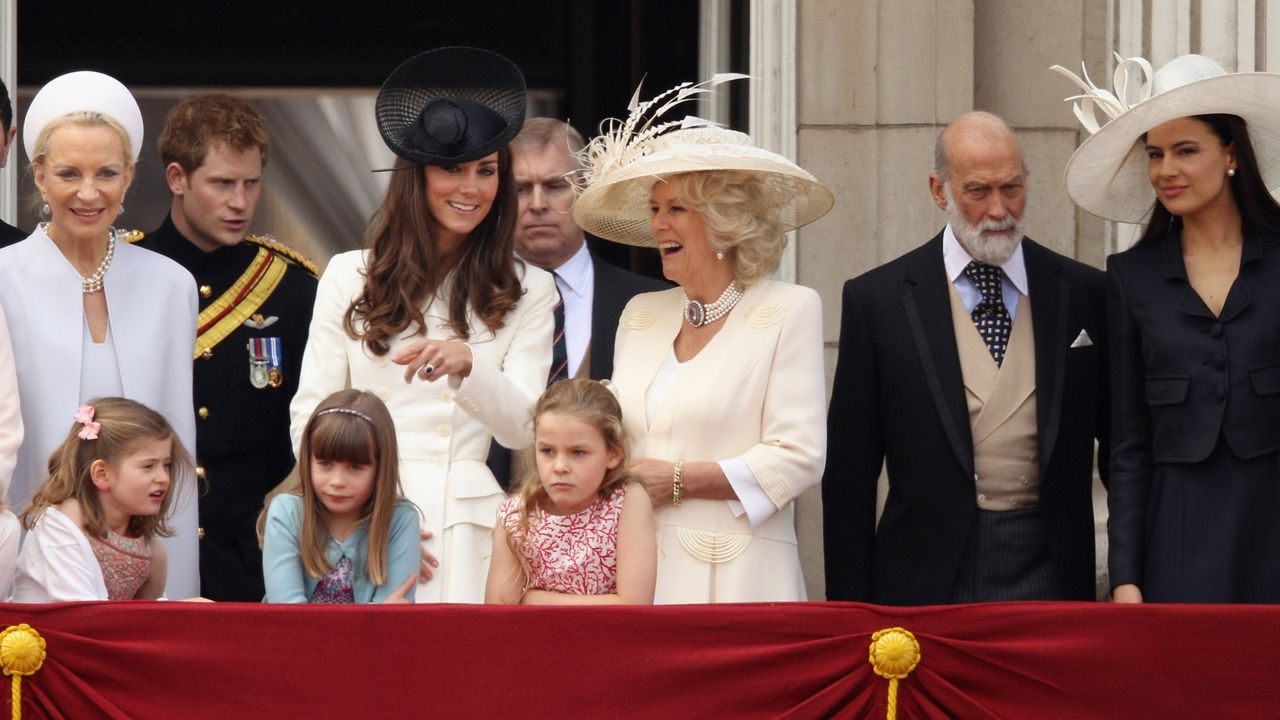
[[990, 241]]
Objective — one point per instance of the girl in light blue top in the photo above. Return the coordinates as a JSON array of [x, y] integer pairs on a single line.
[[345, 535]]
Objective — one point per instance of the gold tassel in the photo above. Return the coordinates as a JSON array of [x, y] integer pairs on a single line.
[[22, 652], [894, 654]]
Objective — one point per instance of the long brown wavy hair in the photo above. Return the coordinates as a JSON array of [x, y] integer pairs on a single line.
[[405, 269]]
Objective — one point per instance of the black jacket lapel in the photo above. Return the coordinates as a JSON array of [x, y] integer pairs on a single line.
[[927, 303], [1050, 299]]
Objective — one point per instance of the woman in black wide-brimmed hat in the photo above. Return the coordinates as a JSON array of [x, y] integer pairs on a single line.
[[435, 315]]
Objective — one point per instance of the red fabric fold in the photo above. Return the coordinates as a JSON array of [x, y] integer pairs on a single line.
[[804, 660]]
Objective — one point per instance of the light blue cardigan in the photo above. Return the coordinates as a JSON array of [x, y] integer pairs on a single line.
[[287, 580]]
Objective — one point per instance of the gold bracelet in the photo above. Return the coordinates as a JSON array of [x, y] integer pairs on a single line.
[[676, 485]]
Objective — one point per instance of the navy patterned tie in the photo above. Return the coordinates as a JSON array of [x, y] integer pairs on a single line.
[[559, 350], [990, 315]]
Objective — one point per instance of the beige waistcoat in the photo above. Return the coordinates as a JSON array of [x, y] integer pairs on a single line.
[[1002, 410]]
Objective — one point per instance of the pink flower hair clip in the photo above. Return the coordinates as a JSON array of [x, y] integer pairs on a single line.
[[84, 416]]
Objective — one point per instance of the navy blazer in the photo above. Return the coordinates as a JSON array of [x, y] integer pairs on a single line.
[[1183, 377], [898, 401]]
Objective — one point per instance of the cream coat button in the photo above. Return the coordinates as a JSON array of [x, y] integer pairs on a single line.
[[383, 393], [440, 461], [446, 396], [445, 430], [382, 361]]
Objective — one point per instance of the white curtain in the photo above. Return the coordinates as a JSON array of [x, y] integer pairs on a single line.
[[323, 151]]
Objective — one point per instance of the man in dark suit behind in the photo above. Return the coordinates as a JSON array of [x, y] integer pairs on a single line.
[[8, 233], [593, 291], [973, 368]]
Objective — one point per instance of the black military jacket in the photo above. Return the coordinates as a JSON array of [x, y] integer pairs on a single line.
[[243, 448]]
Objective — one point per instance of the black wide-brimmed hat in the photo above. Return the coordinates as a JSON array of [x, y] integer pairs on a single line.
[[451, 105]]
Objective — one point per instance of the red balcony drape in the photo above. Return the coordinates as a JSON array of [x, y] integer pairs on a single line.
[[805, 660]]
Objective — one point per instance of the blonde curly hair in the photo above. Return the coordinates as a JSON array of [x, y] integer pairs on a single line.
[[736, 206]]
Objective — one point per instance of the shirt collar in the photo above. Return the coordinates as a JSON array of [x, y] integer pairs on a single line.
[[575, 273], [957, 259]]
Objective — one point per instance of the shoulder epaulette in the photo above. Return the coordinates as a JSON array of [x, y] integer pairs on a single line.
[[287, 251], [130, 236]]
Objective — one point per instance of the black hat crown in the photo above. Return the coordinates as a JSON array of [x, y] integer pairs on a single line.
[[451, 105]]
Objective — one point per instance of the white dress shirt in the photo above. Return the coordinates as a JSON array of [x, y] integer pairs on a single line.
[[576, 281], [1012, 283]]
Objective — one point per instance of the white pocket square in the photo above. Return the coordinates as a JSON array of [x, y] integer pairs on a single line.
[[1082, 340]]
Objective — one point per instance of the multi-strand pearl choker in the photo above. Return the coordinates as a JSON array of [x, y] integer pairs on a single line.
[[93, 283], [698, 314]]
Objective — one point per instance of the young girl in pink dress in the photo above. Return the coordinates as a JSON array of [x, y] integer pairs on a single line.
[[576, 532], [94, 527]]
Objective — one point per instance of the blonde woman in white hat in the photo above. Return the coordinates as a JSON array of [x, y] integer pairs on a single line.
[[720, 379], [1195, 344], [89, 314]]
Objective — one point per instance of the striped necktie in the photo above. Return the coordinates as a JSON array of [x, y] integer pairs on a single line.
[[559, 350]]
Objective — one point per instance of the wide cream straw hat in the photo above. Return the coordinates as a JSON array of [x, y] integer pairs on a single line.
[[1107, 175], [629, 156]]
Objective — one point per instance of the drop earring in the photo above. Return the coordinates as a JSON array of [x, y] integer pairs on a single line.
[[719, 254], [121, 208], [45, 211], [1231, 172]]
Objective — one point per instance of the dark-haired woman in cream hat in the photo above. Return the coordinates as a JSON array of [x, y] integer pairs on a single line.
[[1194, 490], [435, 315]]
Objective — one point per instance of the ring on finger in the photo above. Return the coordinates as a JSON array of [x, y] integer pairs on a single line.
[[425, 371]]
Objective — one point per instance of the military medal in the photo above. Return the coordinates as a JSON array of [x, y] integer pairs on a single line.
[[264, 362], [259, 361]]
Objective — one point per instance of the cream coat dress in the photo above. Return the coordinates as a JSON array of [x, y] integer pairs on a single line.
[[443, 427], [757, 393], [151, 302]]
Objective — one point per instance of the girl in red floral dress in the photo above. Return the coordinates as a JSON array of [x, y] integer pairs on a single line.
[[576, 532]]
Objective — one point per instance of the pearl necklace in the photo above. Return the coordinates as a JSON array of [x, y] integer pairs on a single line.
[[699, 314], [93, 283]]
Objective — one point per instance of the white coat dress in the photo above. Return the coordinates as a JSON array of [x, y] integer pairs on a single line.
[[151, 303], [756, 393], [444, 427]]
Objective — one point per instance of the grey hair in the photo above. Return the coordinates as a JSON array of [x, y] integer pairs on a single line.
[[540, 132], [941, 148]]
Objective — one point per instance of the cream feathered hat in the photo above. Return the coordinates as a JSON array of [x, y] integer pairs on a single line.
[[629, 156], [1107, 175]]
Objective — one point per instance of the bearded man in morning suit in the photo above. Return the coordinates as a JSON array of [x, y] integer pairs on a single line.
[[973, 368]]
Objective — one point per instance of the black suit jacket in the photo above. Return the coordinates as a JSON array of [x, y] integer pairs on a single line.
[[614, 288], [899, 400], [1184, 378], [10, 234]]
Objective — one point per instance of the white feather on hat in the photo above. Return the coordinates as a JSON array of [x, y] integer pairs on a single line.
[[628, 156], [1107, 174]]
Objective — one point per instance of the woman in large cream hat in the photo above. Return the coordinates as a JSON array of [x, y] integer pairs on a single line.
[[720, 379], [1194, 340], [89, 314], [435, 315]]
